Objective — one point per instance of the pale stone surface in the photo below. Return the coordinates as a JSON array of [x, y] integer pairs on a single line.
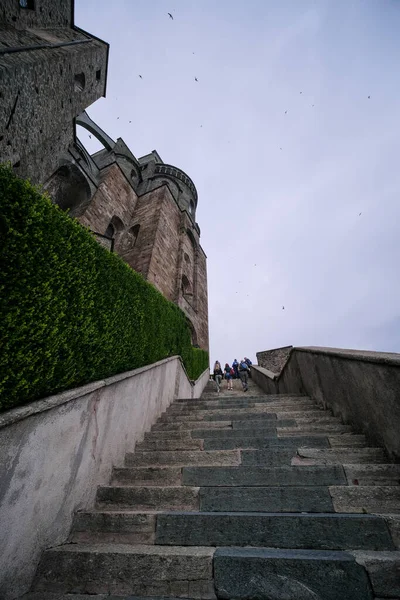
[[370, 499], [185, 458]]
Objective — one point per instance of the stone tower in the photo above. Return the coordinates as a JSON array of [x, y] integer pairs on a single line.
[[50, 71], [147, 210]]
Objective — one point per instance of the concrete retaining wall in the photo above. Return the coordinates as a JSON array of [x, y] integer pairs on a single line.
[[363, 388], [55, 452]]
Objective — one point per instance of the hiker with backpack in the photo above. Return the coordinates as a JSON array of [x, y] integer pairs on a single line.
[[248, 363], [244, 374], [228, 376], [235, 367]]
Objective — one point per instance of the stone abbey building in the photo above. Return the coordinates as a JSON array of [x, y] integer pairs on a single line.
[[143, 209]]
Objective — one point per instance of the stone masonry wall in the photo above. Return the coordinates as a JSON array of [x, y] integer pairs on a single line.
[[274, 360], [115, 197], [40, 96]]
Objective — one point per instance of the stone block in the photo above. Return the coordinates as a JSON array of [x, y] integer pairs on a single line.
[[122, 569], [348, 440], [264, 442], [147, 476], [273, 457], [292, 531], [167, 444], [229, 434], [366, 499], [260, 476], [120, 527], [265, 499], [255, 573], [372, 474], [344, 455], [383, 569], [261, 423], [148, 497], [182, 458], [188, 425]]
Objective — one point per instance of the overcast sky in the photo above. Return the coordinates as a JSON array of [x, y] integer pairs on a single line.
[[280, 194]]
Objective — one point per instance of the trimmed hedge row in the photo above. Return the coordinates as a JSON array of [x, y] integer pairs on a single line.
[[72, 312]]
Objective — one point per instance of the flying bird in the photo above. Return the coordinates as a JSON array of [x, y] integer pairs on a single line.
[[117, 118], [280, 148], [360, 214], [195, 79], [283, 308], [285, 112], [312, 104], [90, 136], [301, 92], [140, 77], [130, 121], [170, 16], [369, 97]]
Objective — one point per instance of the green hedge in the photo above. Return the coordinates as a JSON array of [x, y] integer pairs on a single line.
[[72, 312]]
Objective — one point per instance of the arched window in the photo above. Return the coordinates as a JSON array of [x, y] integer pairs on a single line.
[[186, 287], [186, 257], [134, 231], [114, 227], [191, 207], [80, 82], [110, 231]]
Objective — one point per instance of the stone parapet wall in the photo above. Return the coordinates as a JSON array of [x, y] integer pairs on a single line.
[[363, 388], [55, 452], [274, 360]]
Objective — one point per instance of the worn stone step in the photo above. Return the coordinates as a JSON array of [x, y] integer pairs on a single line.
[[322, 456], [275, 456], [366, 499], [283, 420], [266, 499], [383, 569], [168, 444], [184, 458], [260, 397], [243, 573], [245, 403], [263, 476], [168, 435], [324, 531], [151, 497], [228, 434], [348, 440], [185, 572], [228, 414], [372, 474], [188, 425], [113, 526], [253, 442], [147, 476], [309, 429]]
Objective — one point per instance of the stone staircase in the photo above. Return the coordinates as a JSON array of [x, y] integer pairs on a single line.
[[237, 496]]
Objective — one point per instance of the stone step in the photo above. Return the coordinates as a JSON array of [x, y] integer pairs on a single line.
[[51, 596], [293, 531], [243, 573], [266, 499], [322, 456], [383, 569], [284, 422], [188, 425], [185, 572], [168, 444], [231, 434], [126, 527], [309, 429], [184, 458], [233, 413], [148, 497], [147, 476], [168, 435], [254, 442], [366, 499], [372, 474], [348, 440], [263, 476], [261, 397], [275, 456], [233, 404]]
